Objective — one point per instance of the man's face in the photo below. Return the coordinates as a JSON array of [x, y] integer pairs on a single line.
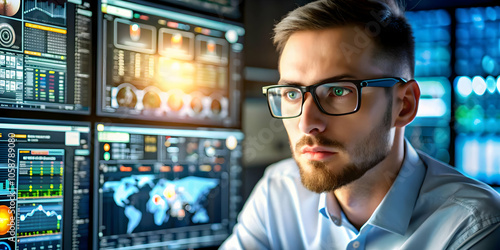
[[333, 151]]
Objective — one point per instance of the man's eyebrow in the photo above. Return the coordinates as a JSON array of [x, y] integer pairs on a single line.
[[326, 80], [285, 82], [337, 78]]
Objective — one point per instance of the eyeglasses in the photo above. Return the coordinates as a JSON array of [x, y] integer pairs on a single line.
[[332, 98]]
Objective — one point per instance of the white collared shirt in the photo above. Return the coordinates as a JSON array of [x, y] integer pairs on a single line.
[[429, 206]]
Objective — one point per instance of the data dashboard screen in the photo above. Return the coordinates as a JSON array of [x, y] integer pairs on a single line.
[[44, 184], [166, 187], [163, 64], [46, 55]]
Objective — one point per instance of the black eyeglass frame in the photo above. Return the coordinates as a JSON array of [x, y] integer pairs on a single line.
[[386, 82]]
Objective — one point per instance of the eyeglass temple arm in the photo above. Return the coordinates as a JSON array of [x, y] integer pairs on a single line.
[[384, 82]]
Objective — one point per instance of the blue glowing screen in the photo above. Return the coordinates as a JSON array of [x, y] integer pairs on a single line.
[[477, 93]]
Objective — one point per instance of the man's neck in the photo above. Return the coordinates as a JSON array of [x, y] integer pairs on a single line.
[[360, 198]]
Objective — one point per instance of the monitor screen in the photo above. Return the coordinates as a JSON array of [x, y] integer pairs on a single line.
[[477, 156], [166, 187], [44, 184], [430, 130], [46, 55], [224, 8], [167, 65], [477, 91], [432, 30]]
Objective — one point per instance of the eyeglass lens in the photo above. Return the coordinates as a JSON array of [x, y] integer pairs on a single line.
[[334, 98]]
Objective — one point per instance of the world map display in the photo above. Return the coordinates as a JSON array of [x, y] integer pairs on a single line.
[[144, 195]]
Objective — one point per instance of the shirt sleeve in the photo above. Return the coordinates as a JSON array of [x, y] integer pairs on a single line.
[[250, 231]]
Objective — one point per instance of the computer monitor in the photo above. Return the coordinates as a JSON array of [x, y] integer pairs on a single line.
[[165, 187], [160, 63], [46, 55], [44, 184]]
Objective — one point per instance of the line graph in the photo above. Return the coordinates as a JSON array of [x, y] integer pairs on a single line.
[[35, 219], [40, 208], [46, 11]]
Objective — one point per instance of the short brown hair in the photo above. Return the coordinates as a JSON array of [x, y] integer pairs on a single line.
[[383, 20]]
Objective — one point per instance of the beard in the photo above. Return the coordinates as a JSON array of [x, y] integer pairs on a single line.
[[366, 154]]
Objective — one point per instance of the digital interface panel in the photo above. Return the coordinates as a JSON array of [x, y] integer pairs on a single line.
[[46, 55], [160, 64], [167, 187], [44, 184]]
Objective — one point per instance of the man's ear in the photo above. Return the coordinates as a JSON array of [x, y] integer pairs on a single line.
[[408, 96]]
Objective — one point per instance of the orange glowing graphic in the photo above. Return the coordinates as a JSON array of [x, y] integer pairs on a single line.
[[216, 107], [176, 74], [106, 147], [181, 213], [169, 192], [211, 47], [217, 168], [158, 200], [196, 105], [175, 102], [165, 169], [151, 100], [5, 214], [176, 41], [135, 32]]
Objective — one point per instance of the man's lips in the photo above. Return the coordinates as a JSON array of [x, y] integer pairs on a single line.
[[317, 153]]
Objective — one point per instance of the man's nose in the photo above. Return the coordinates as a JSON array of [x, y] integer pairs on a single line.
[[312, 120]]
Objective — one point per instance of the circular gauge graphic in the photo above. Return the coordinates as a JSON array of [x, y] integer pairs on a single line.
[[5, 222], [9, 7], [5, 246], [175, 102], [7, 35], [196, 105], [126, 97], [216, 107], [151, 100]]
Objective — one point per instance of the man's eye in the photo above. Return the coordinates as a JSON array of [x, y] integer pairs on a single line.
[[339, 91], [292, 95]]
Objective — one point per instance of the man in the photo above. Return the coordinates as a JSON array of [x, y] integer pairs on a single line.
[[345, 96]]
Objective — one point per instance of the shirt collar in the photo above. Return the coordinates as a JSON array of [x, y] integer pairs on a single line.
[[336, 215], [395, 211]]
